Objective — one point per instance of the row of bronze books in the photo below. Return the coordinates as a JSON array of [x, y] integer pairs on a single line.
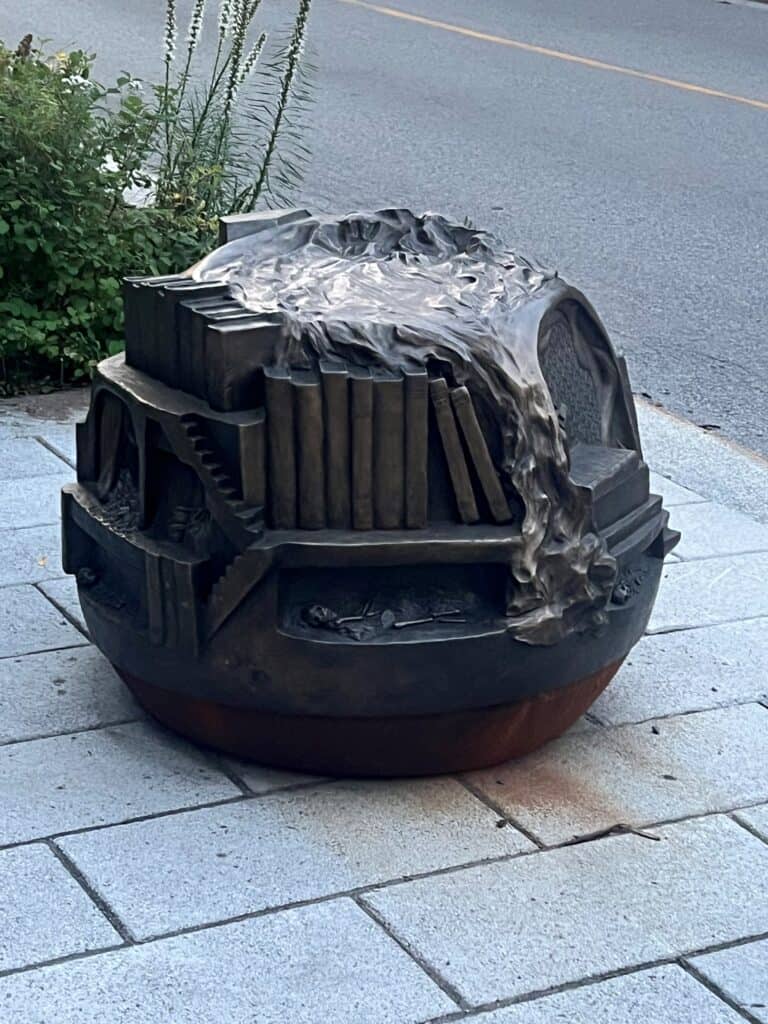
[[195, 336], [348, 448]]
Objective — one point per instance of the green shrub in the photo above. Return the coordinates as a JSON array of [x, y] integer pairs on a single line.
[[71, 151], [66, 234]]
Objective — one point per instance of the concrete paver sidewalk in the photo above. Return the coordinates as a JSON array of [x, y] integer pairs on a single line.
[[144, 880]]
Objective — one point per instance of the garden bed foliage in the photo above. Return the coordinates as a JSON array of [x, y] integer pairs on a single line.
[[100, 182]]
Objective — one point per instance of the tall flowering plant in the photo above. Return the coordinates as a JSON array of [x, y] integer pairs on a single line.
[[230, 133]]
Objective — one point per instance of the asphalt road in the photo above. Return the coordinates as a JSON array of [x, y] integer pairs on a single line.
[[652, 197]]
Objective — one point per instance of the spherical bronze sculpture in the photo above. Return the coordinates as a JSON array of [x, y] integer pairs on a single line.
[[364, 495]]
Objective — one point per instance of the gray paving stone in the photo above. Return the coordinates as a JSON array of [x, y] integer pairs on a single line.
[[26, 457], [32, 501], [710, 465], [661, 995], [30, 623], [742, 974], [672, 493], [30, 415], [532, 923], [710, 591], [63, 593], [757, 819], [30, 555], [694, 764], [327, 964], [92, 778], [261, 779], [43, 911], [285, 848], [709, 530], [691, 670], [58, 692]]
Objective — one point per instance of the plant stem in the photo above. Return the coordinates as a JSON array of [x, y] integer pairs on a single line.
[[251, 196]]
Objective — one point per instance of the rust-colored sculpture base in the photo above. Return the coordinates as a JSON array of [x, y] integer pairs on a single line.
[[417, 745]]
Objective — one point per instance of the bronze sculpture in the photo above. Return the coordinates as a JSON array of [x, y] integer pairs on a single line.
[[364, 495]]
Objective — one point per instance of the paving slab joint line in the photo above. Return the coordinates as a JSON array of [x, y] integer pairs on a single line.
[[543, 993], [93, 895], [597, 979], [757, 701], [444, 985], [23, 529], [55, 451], [68, 732], [688, 559], [734, 816], [498, 809], [222, 802], [187, 809], [666, 630], [218, 764], [352, 894], [605, 835], [60, 607], [449, 1018], [539, 847], [685, 504], [45, 650], [716, 991], [57, 961]]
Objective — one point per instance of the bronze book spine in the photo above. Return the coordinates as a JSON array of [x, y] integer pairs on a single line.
[[132, 321], [253, 469], [388, 449], [361, 389], [151, 361], [218, 373], [144, 344], [416, 428], [166, 355], [197, 363], [478, 449], [282, 457], [454, 453], [335, 380], [308, 413], [173, 323], [190, 343]]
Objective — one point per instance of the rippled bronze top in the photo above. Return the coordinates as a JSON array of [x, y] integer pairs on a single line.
[[392, 288]]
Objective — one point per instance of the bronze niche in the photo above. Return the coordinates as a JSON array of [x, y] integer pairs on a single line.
[[364, 495]]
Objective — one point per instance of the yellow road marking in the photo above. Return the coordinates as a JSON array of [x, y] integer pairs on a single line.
[[544, 51]]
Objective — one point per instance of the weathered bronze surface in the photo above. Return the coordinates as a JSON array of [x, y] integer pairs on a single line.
[[364, 494]]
